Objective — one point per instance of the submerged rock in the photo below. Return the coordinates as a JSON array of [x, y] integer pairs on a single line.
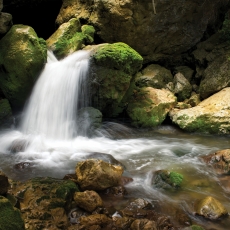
[[23, 56], [166, 179], [210, 116], [97, 175], [211, 208]]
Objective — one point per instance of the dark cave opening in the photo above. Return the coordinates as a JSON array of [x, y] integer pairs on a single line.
[[40, 16]]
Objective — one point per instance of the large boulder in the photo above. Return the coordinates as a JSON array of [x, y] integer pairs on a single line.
[[112, 68], [148, 107], [10, 217], [97, 175], [70, 37], [22, 58], [210, 116], [174, 28]]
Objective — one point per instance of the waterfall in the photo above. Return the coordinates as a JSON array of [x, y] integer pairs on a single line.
[[58, 93]]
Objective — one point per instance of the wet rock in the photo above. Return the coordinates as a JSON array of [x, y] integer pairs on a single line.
[[10, 217], [88, 120], [4, 184], [211, 208], [219, 161], [96, 221], [116, 191], [104, 157], [75, 214], [88, 200], [166, 179], [97, 175], [18, 145], [143, 224], [24, 166], [139, 208]]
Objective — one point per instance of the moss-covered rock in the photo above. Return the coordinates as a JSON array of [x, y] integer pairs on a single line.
[[66, 39], [111, 74], [167, 180], [6, 118], [88, 31], [118, 56], [22, 58], [148, 107], [209, 116], [42, 198], [10, 217]]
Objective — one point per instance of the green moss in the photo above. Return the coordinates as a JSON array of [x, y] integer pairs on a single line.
[[66, 189], [175, 179], [10, 217], [88, 31], [196, 227], [67, 46], [23, 56], [118, 56]]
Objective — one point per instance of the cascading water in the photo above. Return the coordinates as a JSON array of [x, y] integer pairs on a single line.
[[60, 91]]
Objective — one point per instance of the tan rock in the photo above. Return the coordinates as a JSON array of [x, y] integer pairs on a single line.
[[88, 200], [97, 175], [211, 208]]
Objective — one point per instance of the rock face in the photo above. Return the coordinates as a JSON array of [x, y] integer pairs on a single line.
[[22, 58], [97, 175], [211, 208], [4, 183], [148, 107], [135, 23], [209, 116]]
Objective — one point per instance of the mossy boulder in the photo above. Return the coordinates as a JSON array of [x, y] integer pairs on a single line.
[[70, 37], [112, 69], [6, 118], [209, 116], [148, 107], [167, 180], [42, 198], [22, 58], [10, 217], [118, 56]]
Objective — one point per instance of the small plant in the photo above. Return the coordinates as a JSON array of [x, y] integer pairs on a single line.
[[225, 31]]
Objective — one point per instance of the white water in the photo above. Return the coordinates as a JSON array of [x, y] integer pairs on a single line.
[[53, 147], [52, 108]]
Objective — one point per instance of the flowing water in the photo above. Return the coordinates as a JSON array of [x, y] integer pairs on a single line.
[[53, 147]]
